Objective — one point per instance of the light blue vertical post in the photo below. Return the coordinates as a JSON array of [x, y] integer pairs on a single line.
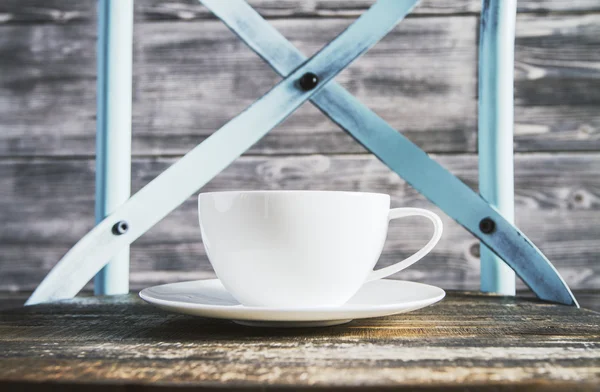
[[496, 107], [113, 129]]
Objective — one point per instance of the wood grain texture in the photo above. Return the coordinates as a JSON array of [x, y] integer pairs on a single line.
[[467, 341], [190, 79], [80, 11], [557, 72], [588, 299], [12, 300], [46, 205]]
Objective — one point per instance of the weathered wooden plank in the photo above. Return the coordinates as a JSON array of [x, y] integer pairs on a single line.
[[84, 11], [192, 78], [557, 79], [353, 8], [163, 9], [190, 10], [545, 6], [78, 11], [466, 341], [38, 11], [189, 79], [11, 300], [588, 299], [46, 206]]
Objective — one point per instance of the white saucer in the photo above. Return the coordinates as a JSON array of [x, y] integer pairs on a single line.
[[209, 298]]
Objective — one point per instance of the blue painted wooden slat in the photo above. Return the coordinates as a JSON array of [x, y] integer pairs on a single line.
[[495, 124], [200, 165], [405, 158], [113, 129]]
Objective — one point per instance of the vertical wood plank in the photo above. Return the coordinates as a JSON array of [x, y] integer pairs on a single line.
[[113, 129], [495, 130]]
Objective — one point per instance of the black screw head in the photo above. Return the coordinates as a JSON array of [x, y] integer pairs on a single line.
[[308, 81], [120, 228], [487, 225]]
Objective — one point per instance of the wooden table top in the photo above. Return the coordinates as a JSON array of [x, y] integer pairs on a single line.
[[467, 341]]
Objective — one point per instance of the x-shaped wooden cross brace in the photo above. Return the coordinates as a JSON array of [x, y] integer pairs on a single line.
[[303, 80]]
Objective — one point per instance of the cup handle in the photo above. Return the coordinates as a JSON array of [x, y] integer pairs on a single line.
[[396, 213]]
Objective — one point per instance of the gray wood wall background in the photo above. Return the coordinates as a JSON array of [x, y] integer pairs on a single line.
[[191, 75]]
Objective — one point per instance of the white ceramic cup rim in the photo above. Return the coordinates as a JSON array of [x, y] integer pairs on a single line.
[[277, 191]]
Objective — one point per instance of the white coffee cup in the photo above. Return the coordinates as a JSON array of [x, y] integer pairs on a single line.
[[300, 249]]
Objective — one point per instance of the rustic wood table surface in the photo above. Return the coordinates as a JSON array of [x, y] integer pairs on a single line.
[[466, 342]]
